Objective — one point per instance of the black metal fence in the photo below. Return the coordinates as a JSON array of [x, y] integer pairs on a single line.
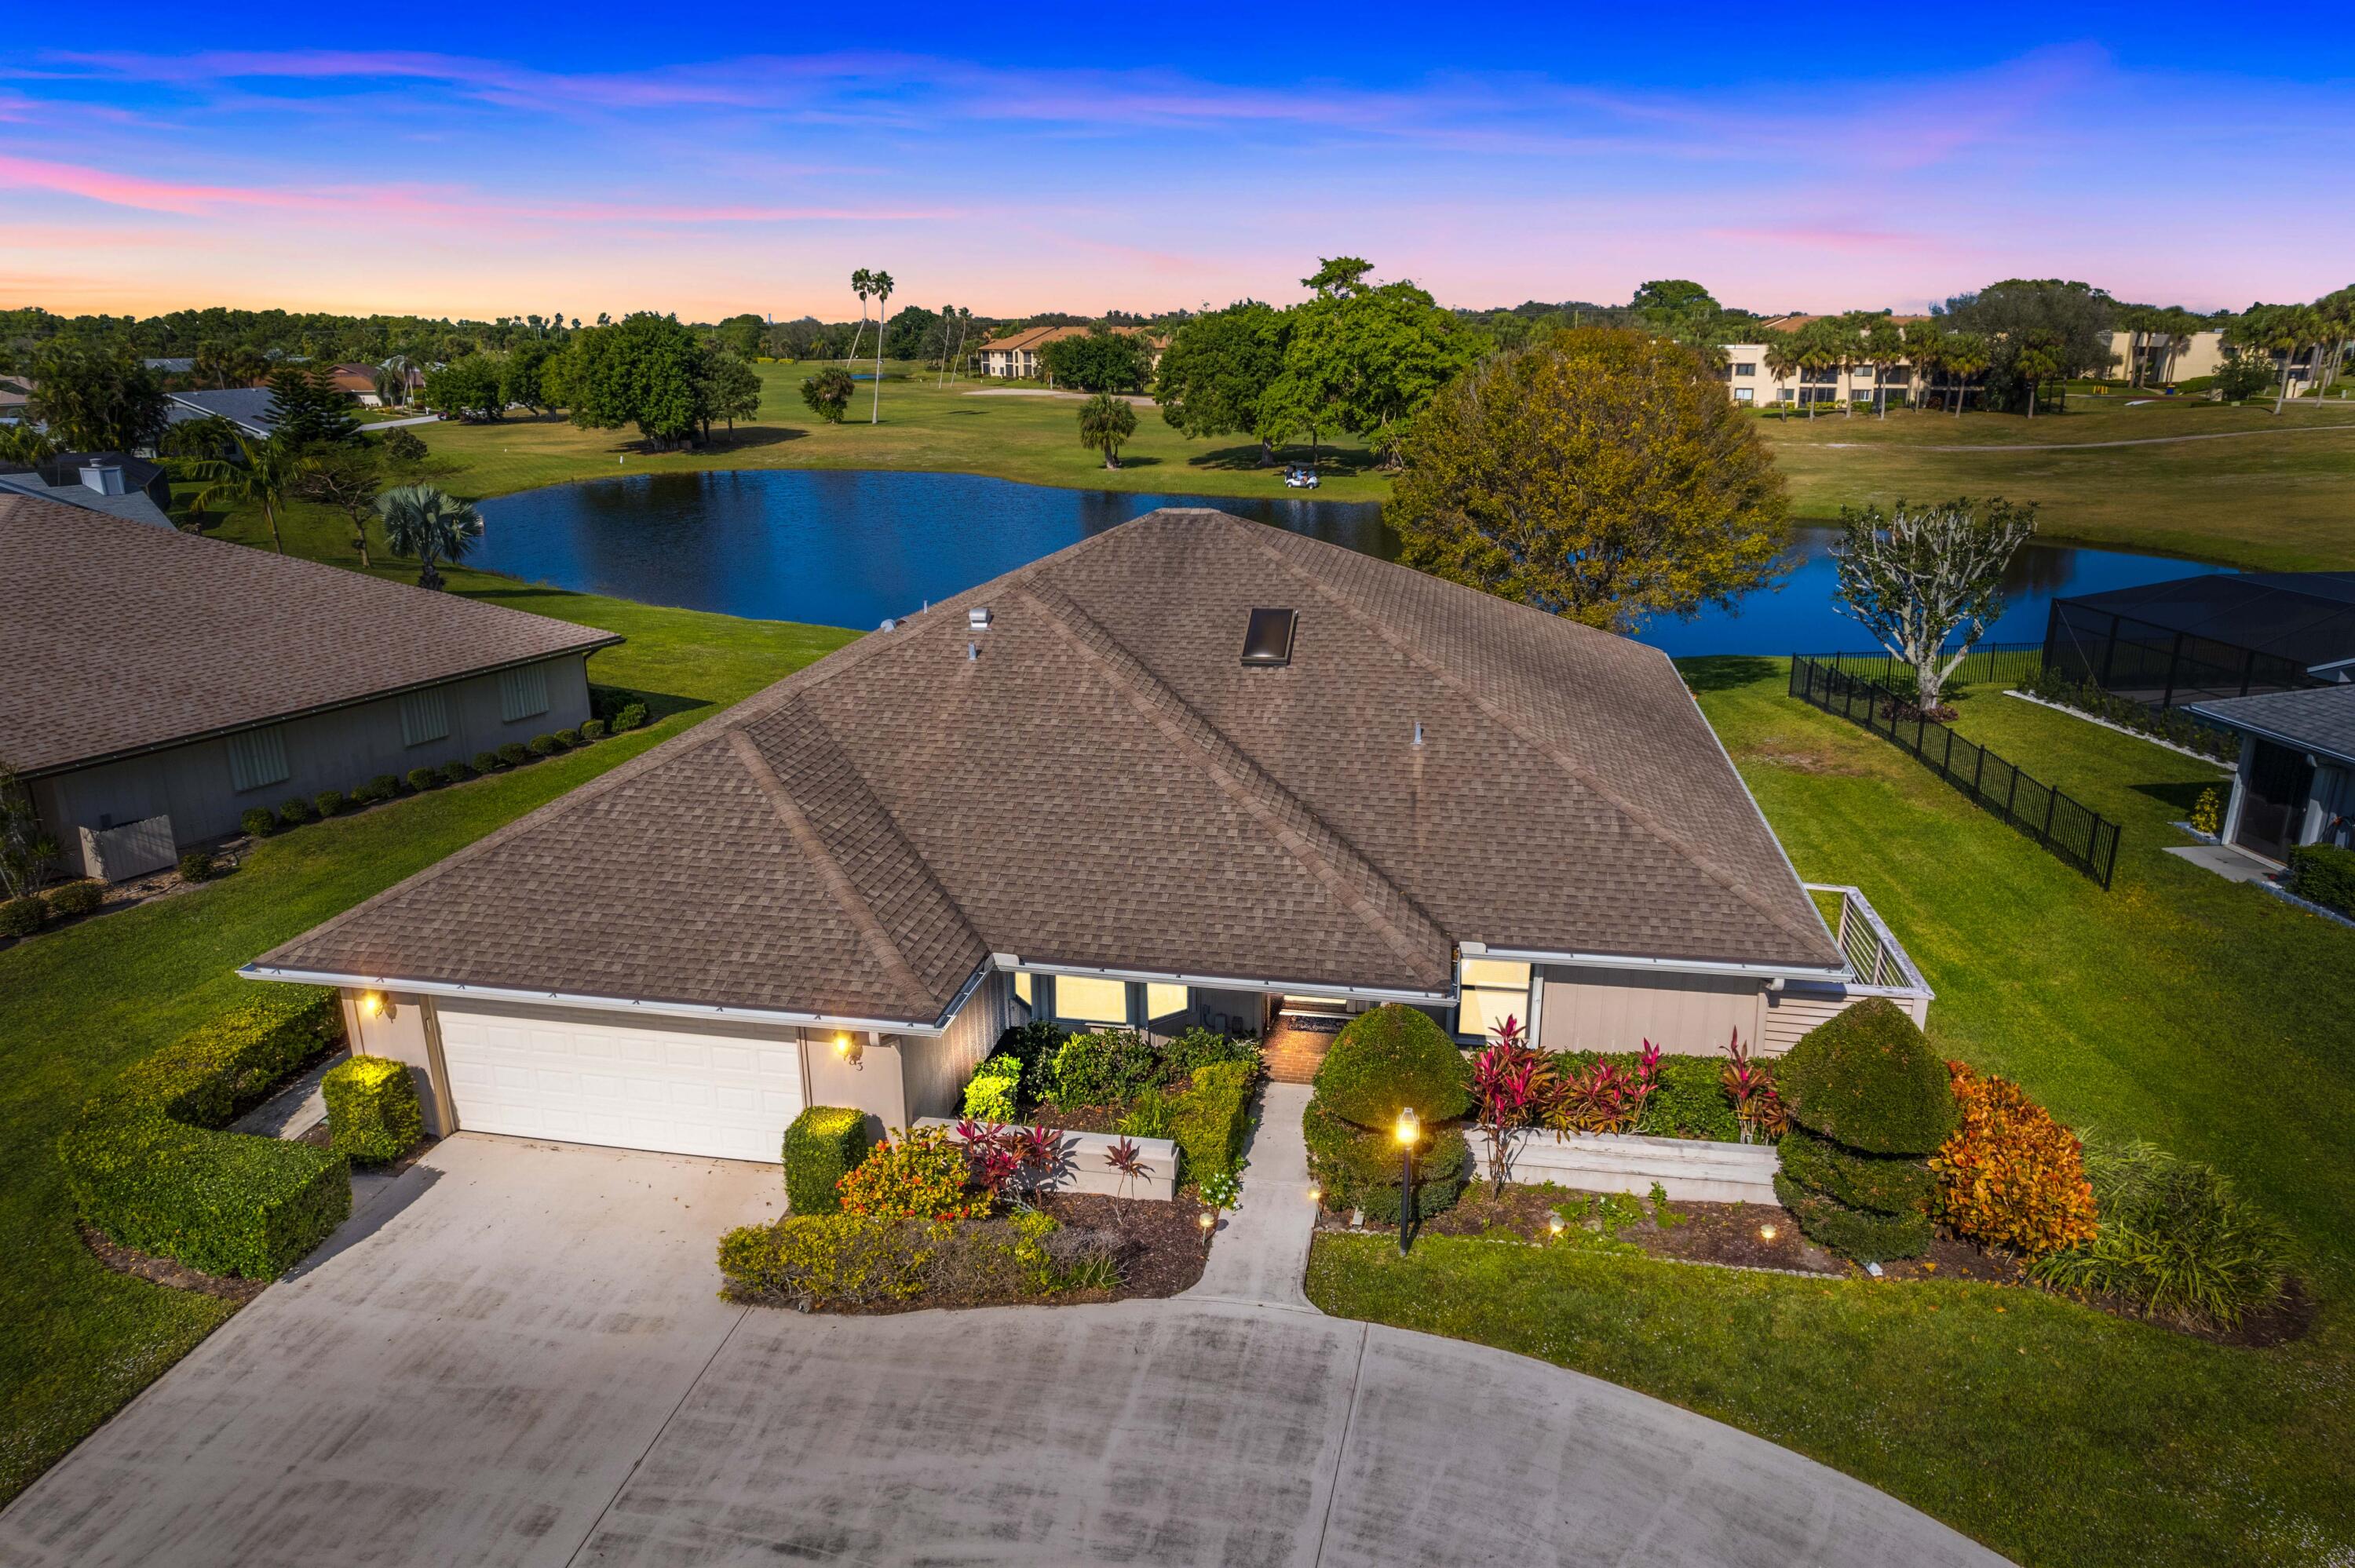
[[2068, 828], [2008, 663]]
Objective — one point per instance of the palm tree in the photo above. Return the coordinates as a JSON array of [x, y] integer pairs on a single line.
[[2038, 361], [2279, 330], [261, 474], [1782, 360], [1926, 347], [861, 282], [1966, 354], [1820, 349], [881, 283], [1105, 421], [430, 523], [1886, 344]]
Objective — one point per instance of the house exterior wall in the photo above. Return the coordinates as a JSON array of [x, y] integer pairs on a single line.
[[1765, 388], [935, 1068], [1618, 1010], [339, 749], [404, 1031]]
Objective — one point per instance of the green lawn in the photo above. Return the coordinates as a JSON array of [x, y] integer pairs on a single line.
[[2279, 497], [77, 1005], [2206, 1017]]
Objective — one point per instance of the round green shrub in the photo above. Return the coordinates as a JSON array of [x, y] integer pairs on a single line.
[[1853, 1233], [383, 787], [630, 718], [567, 739], [1883, 1183], [1867, 1078], [1390, 1058], [423, 779], [330, 802], [402, 446], [487, 762], [514, 753], [594, 730], [22, 916], [546, 746], [197, 866], [295, 814], [456, 773], [258, 824], [76, 898]]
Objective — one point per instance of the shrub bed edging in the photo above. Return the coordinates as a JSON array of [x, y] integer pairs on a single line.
[[1692, 1170]]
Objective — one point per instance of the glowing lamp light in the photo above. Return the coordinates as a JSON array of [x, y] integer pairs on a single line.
[[1766, 1233], [1316, 1193], [1409, 1129], [842, 1047], [376, 1004], [1206, 1220], [1554, 1225]]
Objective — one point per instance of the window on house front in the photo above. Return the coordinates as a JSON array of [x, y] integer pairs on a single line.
[[1494, 990], [1744, 395], [1082, 998], [1025, 988], [256, 758], [424, 716], [523, 694], [1746, 369], [1161, 1001]]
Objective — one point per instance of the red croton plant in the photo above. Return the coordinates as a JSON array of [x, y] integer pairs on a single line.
[[1511, 1085], [1751, 1086]]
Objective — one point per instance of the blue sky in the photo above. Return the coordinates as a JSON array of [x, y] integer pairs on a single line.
[[492, 160]]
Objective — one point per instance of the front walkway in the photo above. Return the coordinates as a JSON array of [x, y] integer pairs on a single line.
[[517, 1357], [1260, 1255]]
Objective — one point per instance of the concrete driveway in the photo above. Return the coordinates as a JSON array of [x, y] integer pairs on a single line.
[[517, 1357]]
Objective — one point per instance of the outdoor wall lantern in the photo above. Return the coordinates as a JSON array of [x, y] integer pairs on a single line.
[[1409, 1131], [847, 1048], [376, 1004]]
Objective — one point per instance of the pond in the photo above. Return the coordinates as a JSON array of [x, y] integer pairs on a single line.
[[850, 547]]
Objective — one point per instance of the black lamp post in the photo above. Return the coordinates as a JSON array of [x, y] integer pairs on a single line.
[[1408, 1132]]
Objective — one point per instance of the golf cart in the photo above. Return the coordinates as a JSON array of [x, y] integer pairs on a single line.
[[1297, 478]]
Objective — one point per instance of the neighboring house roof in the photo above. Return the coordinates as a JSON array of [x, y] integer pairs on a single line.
[[133, 505], [353, 377], [2321, 718], [180, 366], [1794, 322], [1108, 787], [138, 474], [2305, 617], [248, 408], [126, 638]]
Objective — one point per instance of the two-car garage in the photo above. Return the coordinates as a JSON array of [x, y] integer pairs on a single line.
[[576, 1075]]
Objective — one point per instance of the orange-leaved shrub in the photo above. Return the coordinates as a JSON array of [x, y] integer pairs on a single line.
[[919, 1176], [2011, 1175]]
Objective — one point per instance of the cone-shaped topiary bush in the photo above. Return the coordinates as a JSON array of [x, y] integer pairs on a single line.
[[1380, 1062], [1868, 1101], [1869, 1079]]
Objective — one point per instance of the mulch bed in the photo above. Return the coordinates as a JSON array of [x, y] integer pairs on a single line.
[[1734, 1236], [164, 1271], [1158, 1246], [1075, 1118]]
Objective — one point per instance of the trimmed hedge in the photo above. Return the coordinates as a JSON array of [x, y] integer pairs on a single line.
[[259, 822], [295, 814], [825, 1144], [197, 865], [420, 780], [1104, 1068], [456, 773], [373, 1116], [1853, 1233], [147, 1166], [514, 753], [1211, 1119], [1036, 1045], [1688, 1099], [567, 739], [593, 729], [995, 1091], [329, 803], [23, 917], [1882, 1183], [1867, 1078], [545, 746], [630, 718], [488, 762], [1360, 1167], [1392, 1058], [2324, 875], [75, 898]]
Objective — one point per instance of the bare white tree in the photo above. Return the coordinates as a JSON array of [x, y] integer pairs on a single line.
[[1917, 577]]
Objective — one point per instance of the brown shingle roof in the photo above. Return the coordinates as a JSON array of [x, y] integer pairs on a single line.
[[1107, 786], [124, 636]]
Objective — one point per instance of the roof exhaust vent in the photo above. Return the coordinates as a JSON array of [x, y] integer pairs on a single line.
[[1267, 641], [977, 617]]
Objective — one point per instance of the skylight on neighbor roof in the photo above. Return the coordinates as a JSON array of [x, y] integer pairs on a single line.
[[1267, 641]]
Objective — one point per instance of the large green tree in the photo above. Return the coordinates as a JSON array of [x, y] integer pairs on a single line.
[[473, 387], [1217, 371], [730, 390], [95, 397], [1100, 360], [1601, 476], [645, 369], [1373, 356], [307, 408]]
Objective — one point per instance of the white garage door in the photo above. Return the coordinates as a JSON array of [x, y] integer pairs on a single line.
[[571, 1077]]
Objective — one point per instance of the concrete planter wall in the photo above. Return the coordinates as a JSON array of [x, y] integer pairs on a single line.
[[1085, 1171], [1689, 1170]]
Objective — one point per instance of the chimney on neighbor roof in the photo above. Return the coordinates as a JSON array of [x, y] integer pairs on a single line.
[[106, 478]]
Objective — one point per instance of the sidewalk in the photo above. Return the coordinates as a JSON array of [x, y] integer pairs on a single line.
[[1261, 1252]]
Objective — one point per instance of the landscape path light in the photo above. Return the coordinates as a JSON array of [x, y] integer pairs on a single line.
[[1408, 1132]]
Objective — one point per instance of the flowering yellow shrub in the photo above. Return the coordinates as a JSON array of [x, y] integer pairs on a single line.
[[2011, 1175]]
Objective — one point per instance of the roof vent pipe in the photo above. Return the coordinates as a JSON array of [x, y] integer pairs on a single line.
[[1418, 732], [972, 652]]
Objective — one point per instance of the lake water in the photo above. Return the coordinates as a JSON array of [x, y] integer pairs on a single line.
[[851, 547]]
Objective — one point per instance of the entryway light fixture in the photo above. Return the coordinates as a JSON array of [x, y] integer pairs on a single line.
[[376, 1004], [847, 1047]]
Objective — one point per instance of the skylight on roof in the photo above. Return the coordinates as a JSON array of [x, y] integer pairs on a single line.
[[1267, 641]]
